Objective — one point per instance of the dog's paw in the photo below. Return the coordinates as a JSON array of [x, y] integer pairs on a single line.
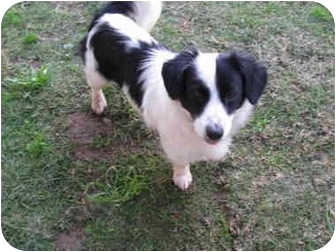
[[98, 104], [183, 181]]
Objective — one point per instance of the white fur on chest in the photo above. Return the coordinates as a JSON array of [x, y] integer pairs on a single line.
[[182, 145], [178, 138]]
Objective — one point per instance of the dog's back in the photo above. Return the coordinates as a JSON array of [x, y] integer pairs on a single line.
[[144, 13]]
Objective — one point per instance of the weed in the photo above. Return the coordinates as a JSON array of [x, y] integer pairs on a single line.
[[37, 146], [12, 17], [118, 185], [321, 13], [30, 38], [101, 142], [225, 231], [32, 80], [329, 218]]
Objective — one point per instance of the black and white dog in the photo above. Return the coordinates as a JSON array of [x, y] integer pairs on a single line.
[[195, 101]]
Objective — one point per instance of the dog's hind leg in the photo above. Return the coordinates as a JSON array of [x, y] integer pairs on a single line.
[[96, 82]]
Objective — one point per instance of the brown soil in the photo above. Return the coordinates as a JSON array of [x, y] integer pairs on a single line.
[[71, 240], [84, 128]]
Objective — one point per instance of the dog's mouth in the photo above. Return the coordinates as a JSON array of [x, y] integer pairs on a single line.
[[212, 142]]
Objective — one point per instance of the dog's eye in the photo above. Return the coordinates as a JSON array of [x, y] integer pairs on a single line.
[[229, 95], [199, 94]]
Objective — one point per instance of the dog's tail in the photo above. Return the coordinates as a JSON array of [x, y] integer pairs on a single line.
[[144, 13]]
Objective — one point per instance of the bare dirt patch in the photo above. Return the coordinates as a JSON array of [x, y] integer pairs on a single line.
[[85, 129], [71, 240]]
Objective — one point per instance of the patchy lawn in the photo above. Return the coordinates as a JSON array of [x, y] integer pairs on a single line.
[[72, 180]]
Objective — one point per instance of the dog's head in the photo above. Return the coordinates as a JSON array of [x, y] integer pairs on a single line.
[[211, 87]]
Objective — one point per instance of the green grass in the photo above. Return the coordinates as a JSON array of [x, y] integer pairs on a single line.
[[320, 13], [116, 186], [30, 38], [64, 169], [37, 146], [31, 80], [12, 18]]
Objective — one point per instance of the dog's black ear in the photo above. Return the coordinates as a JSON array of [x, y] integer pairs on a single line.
[[254, 74], [173, 72]]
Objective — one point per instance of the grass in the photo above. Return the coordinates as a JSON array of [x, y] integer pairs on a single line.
[[103, 182], [320, 13], [12, 18], [37, 145], [32, 80], [30, 38], [117, 185]]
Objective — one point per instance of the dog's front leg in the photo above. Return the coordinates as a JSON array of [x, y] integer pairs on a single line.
[[182, 177]]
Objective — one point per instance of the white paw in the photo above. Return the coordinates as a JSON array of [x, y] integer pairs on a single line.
[[183, 181], [98, 104]]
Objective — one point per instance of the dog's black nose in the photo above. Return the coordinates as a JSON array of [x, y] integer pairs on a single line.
[[214, 132]]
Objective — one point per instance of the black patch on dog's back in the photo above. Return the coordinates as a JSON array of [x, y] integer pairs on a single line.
[[125, 8], [118, 61]]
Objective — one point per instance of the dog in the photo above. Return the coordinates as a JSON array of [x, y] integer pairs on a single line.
[[195, 101]]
